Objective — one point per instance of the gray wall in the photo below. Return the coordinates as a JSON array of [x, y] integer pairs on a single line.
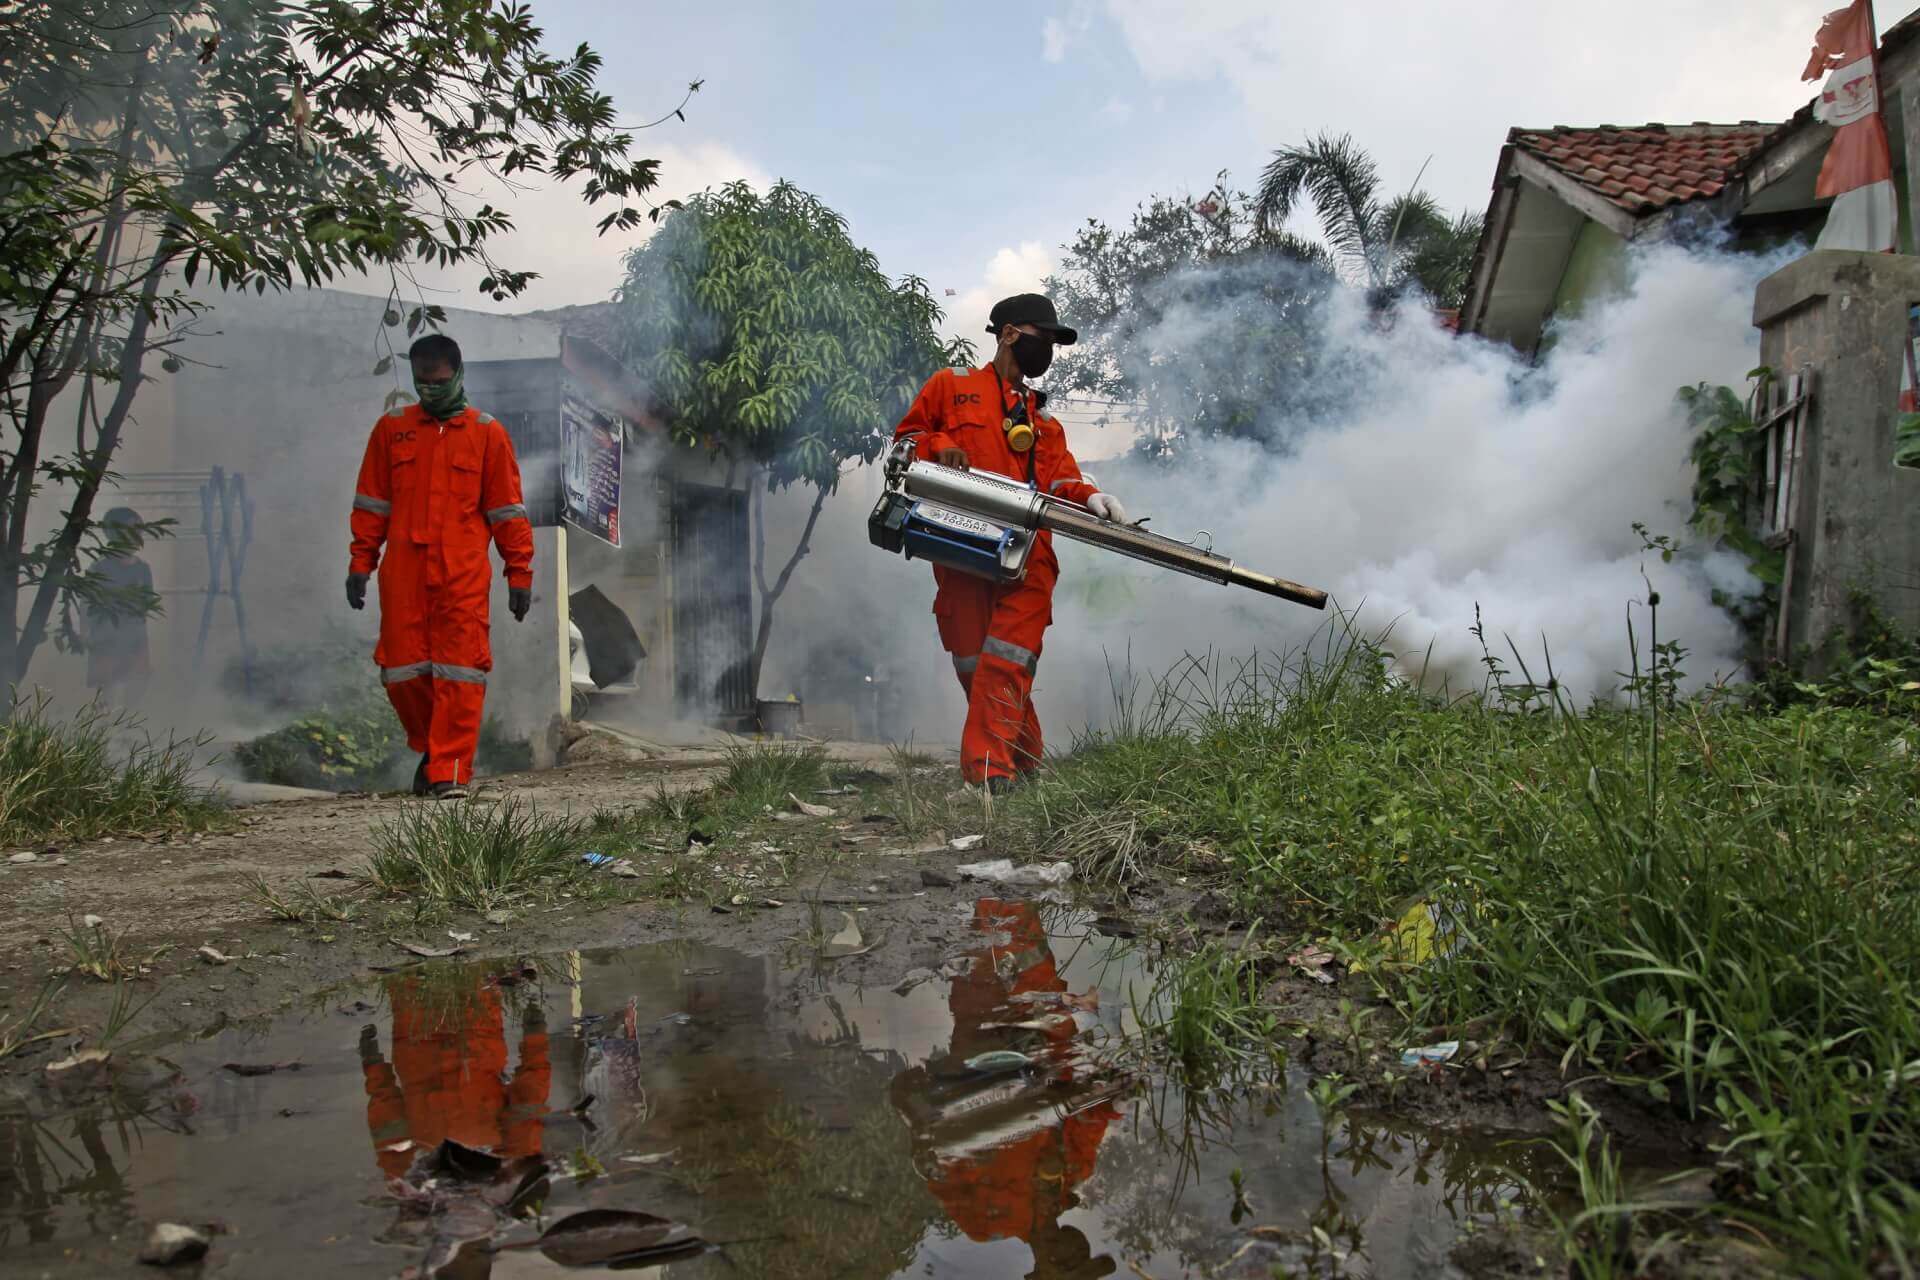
[[1844, 316]]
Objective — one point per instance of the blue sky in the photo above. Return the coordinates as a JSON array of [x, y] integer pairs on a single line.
[[965, 143]]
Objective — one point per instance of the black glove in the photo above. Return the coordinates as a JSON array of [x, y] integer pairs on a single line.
[[519, 600], [357, 590], [369, 1045]]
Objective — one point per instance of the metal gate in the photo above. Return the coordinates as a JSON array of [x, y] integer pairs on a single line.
[[1779, 412], [712, 603]]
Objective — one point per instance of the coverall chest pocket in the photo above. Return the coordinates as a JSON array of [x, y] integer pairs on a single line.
[[977, 431], [403, 468], [463, 475]]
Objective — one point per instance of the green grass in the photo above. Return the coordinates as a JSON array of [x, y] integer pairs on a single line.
[[95, 773], [470, 855], [17, 1031], [1717, 907], [761, 775]]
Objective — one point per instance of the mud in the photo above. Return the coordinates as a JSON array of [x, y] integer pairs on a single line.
[[804, 1116], [790, 1082]]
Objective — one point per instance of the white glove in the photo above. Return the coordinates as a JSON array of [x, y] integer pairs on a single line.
[[1107, 507]]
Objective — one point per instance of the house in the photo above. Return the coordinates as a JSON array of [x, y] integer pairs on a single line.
[[1568, 201]]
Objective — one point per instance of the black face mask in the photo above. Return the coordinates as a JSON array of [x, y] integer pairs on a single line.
[[1034, 355]]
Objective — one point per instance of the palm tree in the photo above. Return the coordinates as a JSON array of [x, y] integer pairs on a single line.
[[1388, 245]]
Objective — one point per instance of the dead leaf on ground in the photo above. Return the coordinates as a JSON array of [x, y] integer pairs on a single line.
[[1312, 961], [84, 1058], [848, 942], [596, 1237], [810, 810], [430, 953]]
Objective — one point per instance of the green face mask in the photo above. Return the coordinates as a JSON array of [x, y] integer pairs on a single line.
[[445, 399]]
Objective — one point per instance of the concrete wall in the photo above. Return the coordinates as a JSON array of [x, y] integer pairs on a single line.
[[1597, 269], [1844, 316]]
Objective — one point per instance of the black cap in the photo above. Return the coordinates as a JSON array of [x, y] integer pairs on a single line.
[[1035, 309]]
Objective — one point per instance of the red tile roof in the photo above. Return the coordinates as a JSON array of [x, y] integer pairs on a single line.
[[1646, 168]]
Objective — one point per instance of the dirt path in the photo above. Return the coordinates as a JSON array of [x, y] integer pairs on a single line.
[[183, 892]]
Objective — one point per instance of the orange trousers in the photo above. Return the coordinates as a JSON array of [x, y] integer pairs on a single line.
[[441, 715], [448, 1078], [993, 633]]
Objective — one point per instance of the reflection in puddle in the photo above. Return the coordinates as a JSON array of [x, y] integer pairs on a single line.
[[966, 1124]]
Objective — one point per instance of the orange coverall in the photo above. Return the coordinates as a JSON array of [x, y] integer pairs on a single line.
[[433, 493], [1020, 1189], [448, 1079], [994, 631]]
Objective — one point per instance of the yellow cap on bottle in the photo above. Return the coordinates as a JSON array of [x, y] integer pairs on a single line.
[[1019, 436]]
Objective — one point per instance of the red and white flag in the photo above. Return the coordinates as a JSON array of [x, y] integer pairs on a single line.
[[1858, 171]]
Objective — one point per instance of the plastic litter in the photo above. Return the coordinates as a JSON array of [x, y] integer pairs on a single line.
[[999, 1060], [963, 843], [1429, 1055], [1002, 871]]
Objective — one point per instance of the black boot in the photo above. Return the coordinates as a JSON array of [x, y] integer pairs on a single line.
[[420, 787]]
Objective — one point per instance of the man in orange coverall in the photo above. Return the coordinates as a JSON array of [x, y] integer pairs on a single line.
[[1003, 1155], [990, 420], [439, 479], [448, 1078]]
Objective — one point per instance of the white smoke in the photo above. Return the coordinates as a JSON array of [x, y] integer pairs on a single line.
[[1452, 474], [1458, 476]]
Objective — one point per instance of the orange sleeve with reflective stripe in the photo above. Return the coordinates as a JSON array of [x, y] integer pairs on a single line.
[[372, 504], [501, 502], [926, 420], [1059, 473]]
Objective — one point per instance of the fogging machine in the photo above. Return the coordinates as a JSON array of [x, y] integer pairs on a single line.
[[985, 525]]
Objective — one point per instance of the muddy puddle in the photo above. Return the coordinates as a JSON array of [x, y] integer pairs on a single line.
[[974, 1121]]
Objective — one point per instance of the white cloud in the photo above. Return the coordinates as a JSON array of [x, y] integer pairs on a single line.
[[1116, 110], [1053, 40], [1411, 79], [1016, 269], [1059, 34], [556, 233]]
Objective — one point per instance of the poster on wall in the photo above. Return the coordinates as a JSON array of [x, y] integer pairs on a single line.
[[590, 447]]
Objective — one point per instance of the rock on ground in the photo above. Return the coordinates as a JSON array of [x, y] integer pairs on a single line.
[[170, 1243]]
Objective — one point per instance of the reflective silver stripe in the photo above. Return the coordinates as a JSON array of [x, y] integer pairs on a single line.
[[482, 418], [1063, 480], [463, 675], [1009, 652], [964, 665], [509, 512], [379, 506], [400, 675]]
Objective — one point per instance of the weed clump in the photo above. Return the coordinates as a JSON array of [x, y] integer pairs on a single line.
[[468, 855], [94, 774], [1709, 904], [761, 775]]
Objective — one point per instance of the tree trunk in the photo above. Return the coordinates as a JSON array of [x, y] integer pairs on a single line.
[[768, 598], [79, 516]]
